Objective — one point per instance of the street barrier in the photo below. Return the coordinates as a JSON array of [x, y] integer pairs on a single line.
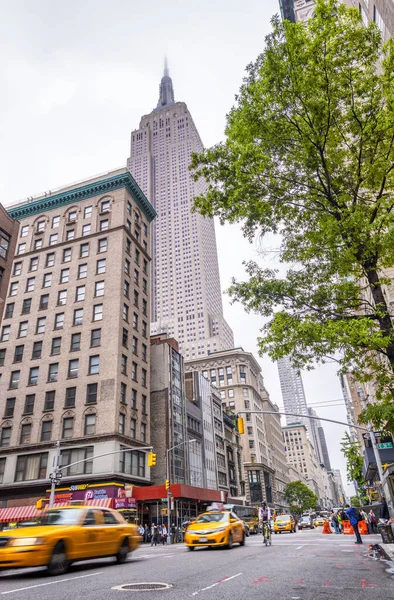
[[363, 528], [326, 527], [347, 528]]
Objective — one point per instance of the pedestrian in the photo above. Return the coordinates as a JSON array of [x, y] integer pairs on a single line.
[[364, 515], [371, 521], [384, 510], [160, 533], [153, 535], [334, 522], [146, 534], [141, 531], [173, 533], [354, 518], [340, 526], [164, 534]]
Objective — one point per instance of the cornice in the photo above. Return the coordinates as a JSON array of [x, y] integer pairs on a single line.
[[95, 188]]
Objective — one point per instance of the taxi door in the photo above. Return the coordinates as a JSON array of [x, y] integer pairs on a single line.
[[111, 532], [237, 528], [91, 535]]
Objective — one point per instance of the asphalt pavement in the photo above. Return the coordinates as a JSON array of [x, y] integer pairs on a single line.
[[303, 566]]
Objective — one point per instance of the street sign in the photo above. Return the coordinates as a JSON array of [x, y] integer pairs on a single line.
[[163, 499], [385, 445]]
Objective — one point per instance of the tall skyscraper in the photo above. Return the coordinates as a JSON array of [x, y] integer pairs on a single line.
[[186, 293], [319, 440], [293, 393]]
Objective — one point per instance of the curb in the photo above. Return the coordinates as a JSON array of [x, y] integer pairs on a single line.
[[387, 553]]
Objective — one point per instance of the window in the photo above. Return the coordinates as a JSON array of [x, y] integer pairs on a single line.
[[5, 436], [9, 310], [47, 280], [30, 284], [222, 394], [104, 225], [242, 374], [67, 254], [145, 228], [87, 212], [136, 277], [135, 321], [14, 288], [55, 349], [5, 333], [126, 312], [133, 428], [26, 306], [46, 431], [132, 463], [49, 400], [68, 427], [82, 271], [137, 257], [144, 307], [64, 275], [231, 393], [144, 404], [91, 393], [59, 321], [37, 349], [99, 288], [126, 289], [33, 266], [73, 366], [101, 266], [44, 300], [40, 327], [102, 245], [123, 393], [78, 316], [144, 328], [94, 365], [105, 206], [33, 376], [31, 466], [2, 357], [50, 259], [17, 268], [135, 345], [70, 398], [29, 404], [128, 246], [84, 250], [125, 335], [136, 298], [127, 266], [75, 342], [124, 364], [97, 312], [245, 392], [22, 331], [122, 421], [90, 425], [133, 398], [143, 377], [70, 234], [53, 372], [3, 251], [73, 456], [9, 408], [55, 221], [62, 298], [38, 244], [95, 338], [53, 239], [86, 229], [143, 432], [24, 231], [144, 352], [25, 433], [40, 226], [134, 371]]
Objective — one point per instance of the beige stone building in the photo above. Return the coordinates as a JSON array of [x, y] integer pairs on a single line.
[[74, 341], [301, 455], [8, 238], [237, 375]]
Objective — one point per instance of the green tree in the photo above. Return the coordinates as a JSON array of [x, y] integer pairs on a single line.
[[299, 497], [309, 155], [355, 501], [354, 460]]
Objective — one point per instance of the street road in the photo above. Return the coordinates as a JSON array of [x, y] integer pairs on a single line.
[[302, 566]]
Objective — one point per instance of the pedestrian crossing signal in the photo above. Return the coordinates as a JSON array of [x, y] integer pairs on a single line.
[[240, 423], [151, 459], [167, 484]]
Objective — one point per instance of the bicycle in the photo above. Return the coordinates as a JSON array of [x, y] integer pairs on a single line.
[[267, 534]]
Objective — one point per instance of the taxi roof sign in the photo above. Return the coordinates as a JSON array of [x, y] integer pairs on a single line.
[[215, 506]]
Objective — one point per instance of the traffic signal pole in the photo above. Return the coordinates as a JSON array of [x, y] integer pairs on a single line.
[[168, 484]]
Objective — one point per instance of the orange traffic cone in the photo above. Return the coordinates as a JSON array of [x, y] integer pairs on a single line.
[[326, 527]]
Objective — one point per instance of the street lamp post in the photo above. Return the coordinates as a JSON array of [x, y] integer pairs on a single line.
[[168, 479]]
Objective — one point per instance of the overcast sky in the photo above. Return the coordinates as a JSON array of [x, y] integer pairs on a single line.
[[77, 76]]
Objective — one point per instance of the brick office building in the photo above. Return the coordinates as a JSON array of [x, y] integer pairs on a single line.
[[8, 237], [74, 341]]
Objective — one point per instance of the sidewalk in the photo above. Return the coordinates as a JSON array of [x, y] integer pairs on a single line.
[[388, 550]]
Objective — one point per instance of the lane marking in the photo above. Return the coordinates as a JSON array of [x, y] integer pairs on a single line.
[[209, 587], [30, 587], [299, 547], [300, 581], [327, 583], [263, 579]]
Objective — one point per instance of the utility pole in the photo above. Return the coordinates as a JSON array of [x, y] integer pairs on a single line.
[[55, 476]]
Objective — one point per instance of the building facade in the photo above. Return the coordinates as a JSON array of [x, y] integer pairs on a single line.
[[293, 394], [74, 339], [9, 229], [186, 294]]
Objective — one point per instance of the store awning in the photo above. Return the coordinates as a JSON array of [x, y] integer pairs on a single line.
[[18, 513], [104, 502], [178, 490]]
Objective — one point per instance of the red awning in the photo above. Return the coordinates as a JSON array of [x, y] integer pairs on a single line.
[[18, 513], [178, 490]]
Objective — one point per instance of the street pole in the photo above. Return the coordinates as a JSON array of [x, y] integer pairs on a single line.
[[54, 476], [373, 440], [168, 478]]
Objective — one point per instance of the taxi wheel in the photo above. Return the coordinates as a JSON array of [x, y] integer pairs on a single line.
[[191, 548], [230, 541], [121, 556], [58, 563], [242, 542]]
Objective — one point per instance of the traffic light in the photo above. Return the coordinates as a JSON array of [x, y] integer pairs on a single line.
[[240, 423], [167, 484], [40, 504], [151, 459]]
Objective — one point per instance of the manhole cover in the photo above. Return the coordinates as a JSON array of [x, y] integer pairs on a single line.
[[142, 587]]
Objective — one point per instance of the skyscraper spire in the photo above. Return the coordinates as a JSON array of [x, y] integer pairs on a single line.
[[166, 97]]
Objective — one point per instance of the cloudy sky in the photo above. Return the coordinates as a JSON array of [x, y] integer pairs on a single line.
[[77, 76]]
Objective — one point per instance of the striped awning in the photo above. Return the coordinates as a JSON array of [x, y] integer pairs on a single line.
[[104, 502], [18, 513]]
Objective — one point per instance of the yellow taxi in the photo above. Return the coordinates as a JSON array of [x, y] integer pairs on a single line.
[[284, 523], [65, 535], [320, 521], [215, 528]]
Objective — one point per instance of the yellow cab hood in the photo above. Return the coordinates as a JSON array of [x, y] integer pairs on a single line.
[[33, 531], [207, 526]]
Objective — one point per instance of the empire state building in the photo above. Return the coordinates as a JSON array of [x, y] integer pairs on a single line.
[[186, 293]]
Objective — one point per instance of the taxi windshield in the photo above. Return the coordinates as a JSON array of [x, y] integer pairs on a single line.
[[283, 518], [212, 518], [65, 516]]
